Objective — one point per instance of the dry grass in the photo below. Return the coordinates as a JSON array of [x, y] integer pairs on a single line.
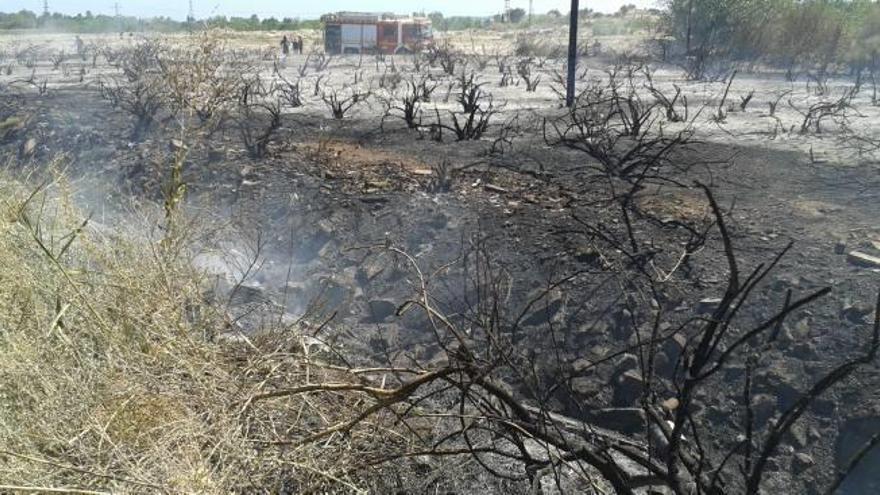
[[111, 378]]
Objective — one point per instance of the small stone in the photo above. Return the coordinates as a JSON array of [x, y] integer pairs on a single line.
[[763, 406], [672, 349], [856, 313], [29, 147], [547, 309], [380, 310], [628, 420], [628, 362], [176, 145], [623, 326], [629, 388], [495, 189], [586, 254], [369, 270], [708, 305], [863, 260], [798, 435], [581, 365], [586, 386], [801, 462], [840, 248], [670, 404], [805, 351]]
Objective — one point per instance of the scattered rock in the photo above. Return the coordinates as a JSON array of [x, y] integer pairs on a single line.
[[628, 388], [581, 365], [327, 250], [495, 189], [708, 305], [798, 332], [414, 318], [547, 309], [798, 436], [629, 420], [863, 260], [622, 329], [586, 386], [856, 312], [824, 407], [801, 462], [763, 406], [586, 254], [670, 404], [734, 371], [772, 465], [662, 366], [176, 145], [840, 248], [247, 294], [28, 148], [380, 311], [781, 381], [295, 290], [369, 270], [628, 362], [805, 351], [672, 349]]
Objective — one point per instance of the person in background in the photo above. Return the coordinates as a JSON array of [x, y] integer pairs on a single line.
[[299, 44], [80, 47], [285, 47]]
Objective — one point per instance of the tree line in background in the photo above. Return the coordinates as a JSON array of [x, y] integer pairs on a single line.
[[90, 23], [809, 35]]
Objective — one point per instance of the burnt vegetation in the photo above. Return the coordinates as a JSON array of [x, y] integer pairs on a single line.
[[638, 344]]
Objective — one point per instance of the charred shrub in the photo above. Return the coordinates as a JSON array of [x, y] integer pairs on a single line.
[[408, 106], [258, 116], [524, 68], [477, 110], [340, 102], [614, 126]]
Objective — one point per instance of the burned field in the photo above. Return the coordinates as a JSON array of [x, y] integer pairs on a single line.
[[671, 286]]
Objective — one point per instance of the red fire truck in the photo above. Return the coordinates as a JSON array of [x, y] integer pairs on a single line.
[[357, 32]]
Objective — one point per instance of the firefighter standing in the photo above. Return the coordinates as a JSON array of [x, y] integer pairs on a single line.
[[285, 46]]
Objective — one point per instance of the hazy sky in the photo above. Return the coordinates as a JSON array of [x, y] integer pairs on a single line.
[[302, 8]]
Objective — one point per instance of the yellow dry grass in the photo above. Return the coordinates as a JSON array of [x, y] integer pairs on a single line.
[[111, 380]]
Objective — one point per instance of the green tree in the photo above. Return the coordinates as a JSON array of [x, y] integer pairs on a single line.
[[516, 15]]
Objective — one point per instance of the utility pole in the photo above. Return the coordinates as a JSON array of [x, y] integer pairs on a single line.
[[572, 53], [45, 8], [531, 11], [505, 17], [191, 16]]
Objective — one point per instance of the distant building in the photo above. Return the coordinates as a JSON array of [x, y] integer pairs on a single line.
[[359, 32]]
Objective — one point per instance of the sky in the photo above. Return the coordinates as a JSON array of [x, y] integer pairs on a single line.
[[301, 8]]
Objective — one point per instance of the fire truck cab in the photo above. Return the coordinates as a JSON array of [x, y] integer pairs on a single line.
[[355, 33]]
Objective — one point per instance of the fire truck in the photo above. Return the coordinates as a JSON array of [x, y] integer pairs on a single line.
[[358, 32]]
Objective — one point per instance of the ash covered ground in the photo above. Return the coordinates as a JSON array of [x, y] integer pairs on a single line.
[[516, 227]]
